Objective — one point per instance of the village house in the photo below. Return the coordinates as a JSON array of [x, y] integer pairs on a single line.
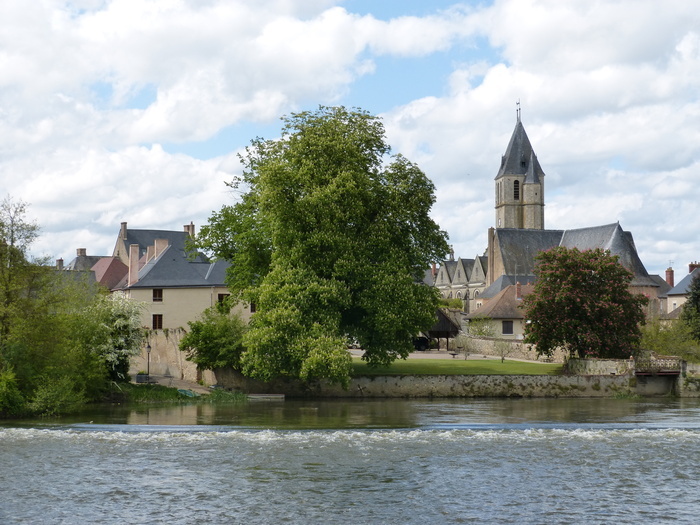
[[173, 282]]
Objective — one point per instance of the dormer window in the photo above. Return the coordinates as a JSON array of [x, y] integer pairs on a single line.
[[516, 190]]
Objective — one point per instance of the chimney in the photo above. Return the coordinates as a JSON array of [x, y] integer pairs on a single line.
[[59, 264], [160, 246], [122, 232], [81, 252], [669, 277], [452, 253], [518, 291], [692, 266], [150, 252], [434, 270], [189, 229], [133, 263]]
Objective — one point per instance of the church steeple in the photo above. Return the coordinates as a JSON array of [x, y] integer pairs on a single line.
[[520, 184]]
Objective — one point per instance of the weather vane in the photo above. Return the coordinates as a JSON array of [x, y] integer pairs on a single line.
[[517, 111]]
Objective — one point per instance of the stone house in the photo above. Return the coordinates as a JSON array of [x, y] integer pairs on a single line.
[[678, 294], [174, 283], [503, 312]]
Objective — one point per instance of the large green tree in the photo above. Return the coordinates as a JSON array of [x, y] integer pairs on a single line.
[[329, 240], [690, 314], [215, 340], [582, 302]]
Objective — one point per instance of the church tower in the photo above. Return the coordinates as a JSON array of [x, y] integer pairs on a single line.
[[520, 185]]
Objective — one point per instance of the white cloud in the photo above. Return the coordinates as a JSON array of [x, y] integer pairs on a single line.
[[609, 90]]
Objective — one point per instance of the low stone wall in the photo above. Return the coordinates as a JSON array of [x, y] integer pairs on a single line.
[[513, 349], [442, 386], [600, 366]]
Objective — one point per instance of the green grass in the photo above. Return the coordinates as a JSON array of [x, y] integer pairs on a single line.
[[455, 367]]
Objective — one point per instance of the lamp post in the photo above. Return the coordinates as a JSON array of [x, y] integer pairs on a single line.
[[148, 365]]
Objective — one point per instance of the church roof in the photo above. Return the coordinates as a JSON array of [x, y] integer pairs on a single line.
[[519, 158], [519, 247], [610, 237], [503, 282]]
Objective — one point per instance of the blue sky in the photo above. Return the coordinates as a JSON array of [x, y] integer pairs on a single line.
[[115, 110]]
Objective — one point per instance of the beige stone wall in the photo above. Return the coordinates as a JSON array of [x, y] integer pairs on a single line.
[[490, 346], [600, 366], [180, 305], [167, 359]]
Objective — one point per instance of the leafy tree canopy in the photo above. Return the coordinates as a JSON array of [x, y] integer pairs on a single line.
[[690, 314], [329, 240], [215, 340], [582, 302]]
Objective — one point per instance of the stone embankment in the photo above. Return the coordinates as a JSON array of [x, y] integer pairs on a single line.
[[609, 378]]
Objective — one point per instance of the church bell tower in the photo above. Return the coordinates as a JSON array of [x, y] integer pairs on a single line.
[[520, 185]]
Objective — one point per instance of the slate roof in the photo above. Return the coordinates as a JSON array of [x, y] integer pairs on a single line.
[[503, 282], [172, 269], [504, 305], [146, 238], [683, 286], [519, 158], [519, 247], [83, 263]]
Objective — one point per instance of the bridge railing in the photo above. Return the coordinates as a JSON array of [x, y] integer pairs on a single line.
[[655, 366]]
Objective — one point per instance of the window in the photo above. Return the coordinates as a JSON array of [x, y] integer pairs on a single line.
[[157, 295], [157, 321], [516, 190], [252, 308], [507, 327], [222, 297]]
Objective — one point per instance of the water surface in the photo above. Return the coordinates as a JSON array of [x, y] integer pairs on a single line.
[[393, 461]]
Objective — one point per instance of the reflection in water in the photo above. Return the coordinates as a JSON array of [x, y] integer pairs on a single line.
[[379, 461], [403, 413]]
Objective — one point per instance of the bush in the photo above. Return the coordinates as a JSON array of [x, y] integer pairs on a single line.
[[12, 402], [56, 396]]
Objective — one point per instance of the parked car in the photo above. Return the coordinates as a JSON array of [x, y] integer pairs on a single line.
[[421, 343]]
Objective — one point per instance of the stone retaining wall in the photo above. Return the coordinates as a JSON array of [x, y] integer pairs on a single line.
[[443, 386], [511, 348]]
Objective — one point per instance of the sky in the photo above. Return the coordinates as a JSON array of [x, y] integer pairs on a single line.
[[134, 110]]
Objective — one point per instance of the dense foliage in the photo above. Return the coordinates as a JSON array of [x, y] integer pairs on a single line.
[[329, 240], [690, 314], [60, 338], [670, 338], [215, 340], [582, 302]]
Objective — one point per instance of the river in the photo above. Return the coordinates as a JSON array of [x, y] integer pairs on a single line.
[[546, 461]]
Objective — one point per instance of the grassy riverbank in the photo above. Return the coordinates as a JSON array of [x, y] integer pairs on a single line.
[[455, 367]]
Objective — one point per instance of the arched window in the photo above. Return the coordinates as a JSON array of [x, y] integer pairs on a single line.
[[459, 295], [516, 190]]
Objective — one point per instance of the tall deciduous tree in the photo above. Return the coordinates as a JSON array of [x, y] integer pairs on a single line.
[[690, 314], [582, 302], [329, 240]]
